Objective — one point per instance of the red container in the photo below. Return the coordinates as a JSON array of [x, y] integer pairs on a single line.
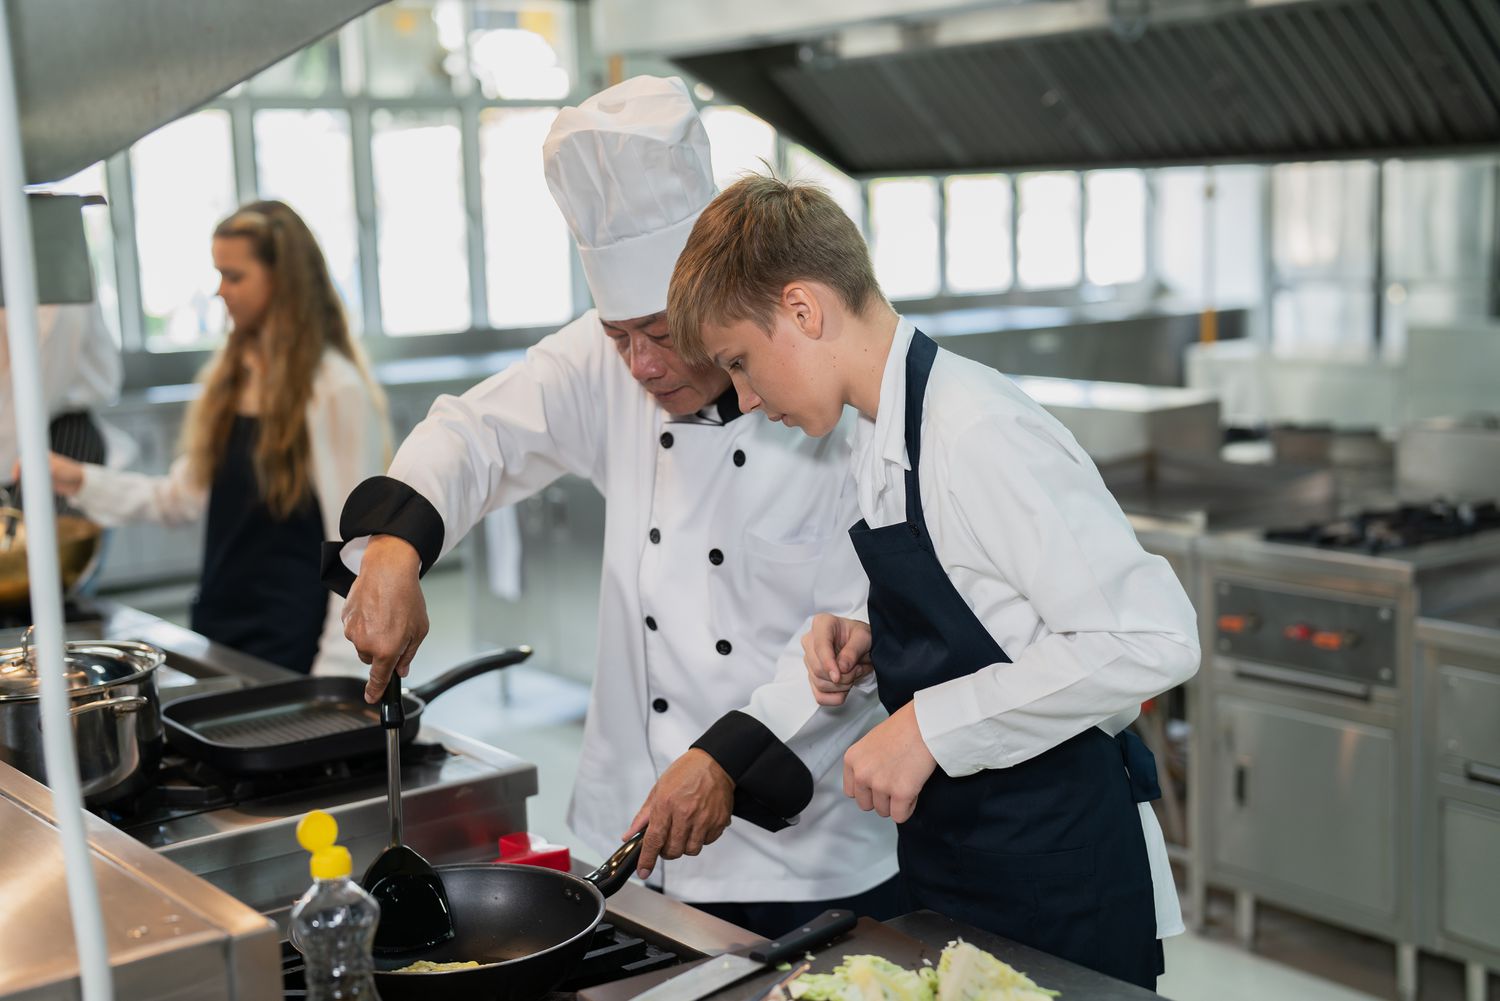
[[525, 848]]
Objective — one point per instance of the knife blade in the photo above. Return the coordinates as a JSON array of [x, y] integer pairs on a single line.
[[730, 968]]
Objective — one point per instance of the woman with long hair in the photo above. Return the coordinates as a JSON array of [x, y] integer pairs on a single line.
[[289, 420]]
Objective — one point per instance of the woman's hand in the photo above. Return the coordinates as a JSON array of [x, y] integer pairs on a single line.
[[67, 474], [385, 615]]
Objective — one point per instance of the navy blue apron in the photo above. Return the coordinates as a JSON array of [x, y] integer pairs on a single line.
[[1048, 852]]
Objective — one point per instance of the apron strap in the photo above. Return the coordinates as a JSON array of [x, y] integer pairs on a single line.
[[919, 358], [1140, 763]]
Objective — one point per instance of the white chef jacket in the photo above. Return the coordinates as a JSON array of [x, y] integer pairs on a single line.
[[347, 440], [774, 505], [80, 368], [1040, 551]]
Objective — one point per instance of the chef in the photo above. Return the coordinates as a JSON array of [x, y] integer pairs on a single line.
[[723, 534], [81, 372]]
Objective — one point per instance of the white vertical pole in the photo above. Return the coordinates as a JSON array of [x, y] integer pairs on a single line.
[[41, 535]]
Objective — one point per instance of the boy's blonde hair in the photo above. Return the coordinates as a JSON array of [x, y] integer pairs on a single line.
[[758, 235]]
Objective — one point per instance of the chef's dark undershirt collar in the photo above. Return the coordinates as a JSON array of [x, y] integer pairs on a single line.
[[728, 405], [719, 412]]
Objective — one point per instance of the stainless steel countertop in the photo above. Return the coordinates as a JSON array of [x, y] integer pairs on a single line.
[[1473, 627], [169, 933]]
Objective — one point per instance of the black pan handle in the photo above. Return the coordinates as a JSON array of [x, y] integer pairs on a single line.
[[392, 712], [615, 871], [817, 933], [482, 664]]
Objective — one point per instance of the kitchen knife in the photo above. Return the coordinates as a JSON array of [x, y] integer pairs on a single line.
[[730, 968]]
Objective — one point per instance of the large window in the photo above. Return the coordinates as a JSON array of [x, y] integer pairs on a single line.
[[419, 205], [526, 242], [410, 142], [979, 233], [904, 236], [523, 50], [285, 143], [184, 185], [1114, 236], [804, 165], [1047, 231], [1323, 258], [739, 142]]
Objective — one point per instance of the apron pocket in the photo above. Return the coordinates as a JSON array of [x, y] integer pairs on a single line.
[[1063, 888]]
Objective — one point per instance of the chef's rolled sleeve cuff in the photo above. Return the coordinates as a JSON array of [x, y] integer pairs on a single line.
[[383, 506], [771, 784], [948, 719]]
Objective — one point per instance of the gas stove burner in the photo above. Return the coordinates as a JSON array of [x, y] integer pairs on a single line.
[[1402, 527], [185, 786], [613, 955]]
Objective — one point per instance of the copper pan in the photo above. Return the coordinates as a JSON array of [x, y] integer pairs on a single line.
[[77, 551]]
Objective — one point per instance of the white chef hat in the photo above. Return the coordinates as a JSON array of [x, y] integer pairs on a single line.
[[630, 169]]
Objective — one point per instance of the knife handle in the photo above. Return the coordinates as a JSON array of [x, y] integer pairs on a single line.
[[814, 935]]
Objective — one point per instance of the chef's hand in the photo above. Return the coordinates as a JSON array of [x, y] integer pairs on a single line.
[[837, 654], [689, 807], [385, 615], [886, 769], [67, 475]]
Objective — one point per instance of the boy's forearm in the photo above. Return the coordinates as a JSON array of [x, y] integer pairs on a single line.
[[1004, 714]]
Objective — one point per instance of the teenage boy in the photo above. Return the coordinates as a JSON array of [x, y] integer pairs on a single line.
[[1015, 624]]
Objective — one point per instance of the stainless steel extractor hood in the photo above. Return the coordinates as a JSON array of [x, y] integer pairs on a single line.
[[918, 85], [93, 76]]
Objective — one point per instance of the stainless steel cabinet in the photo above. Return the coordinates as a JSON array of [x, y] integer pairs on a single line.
[[1307, 802], [1459, 783]]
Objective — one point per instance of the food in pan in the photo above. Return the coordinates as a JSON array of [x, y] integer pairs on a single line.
[[964, 973], [427, 966]]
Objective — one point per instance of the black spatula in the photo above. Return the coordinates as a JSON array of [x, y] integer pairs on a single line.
[[414, 911]]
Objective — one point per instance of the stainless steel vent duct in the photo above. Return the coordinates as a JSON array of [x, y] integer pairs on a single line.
[[1148, 82]]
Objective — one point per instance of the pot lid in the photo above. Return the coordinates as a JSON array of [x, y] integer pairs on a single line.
[[91, 665]]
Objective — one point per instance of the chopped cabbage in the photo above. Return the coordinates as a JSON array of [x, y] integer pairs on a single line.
[[967, 973], [964, 973], [863, 978]]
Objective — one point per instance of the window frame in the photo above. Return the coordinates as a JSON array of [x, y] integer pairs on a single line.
[[144, 368]]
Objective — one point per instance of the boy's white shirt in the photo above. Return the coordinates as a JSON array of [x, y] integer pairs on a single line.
[[1036, 545], [347, 441]]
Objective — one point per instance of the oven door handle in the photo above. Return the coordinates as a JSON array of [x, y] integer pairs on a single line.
[[1488, 774], [1296, 679]]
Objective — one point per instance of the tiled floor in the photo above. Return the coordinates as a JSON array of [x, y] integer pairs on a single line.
[[538, 717]]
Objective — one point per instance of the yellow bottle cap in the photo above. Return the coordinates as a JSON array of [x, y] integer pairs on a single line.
[[331, 863], [316, 833], [317, 830]]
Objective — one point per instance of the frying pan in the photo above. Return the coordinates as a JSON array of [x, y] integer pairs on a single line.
[[526, 926], [292, 724]]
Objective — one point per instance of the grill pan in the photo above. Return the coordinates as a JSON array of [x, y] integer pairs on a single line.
[[310, 721]]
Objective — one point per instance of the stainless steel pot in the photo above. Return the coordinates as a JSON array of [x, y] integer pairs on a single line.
[[114, 710]]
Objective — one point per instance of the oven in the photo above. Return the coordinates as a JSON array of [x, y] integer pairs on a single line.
[[1311, 715]]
